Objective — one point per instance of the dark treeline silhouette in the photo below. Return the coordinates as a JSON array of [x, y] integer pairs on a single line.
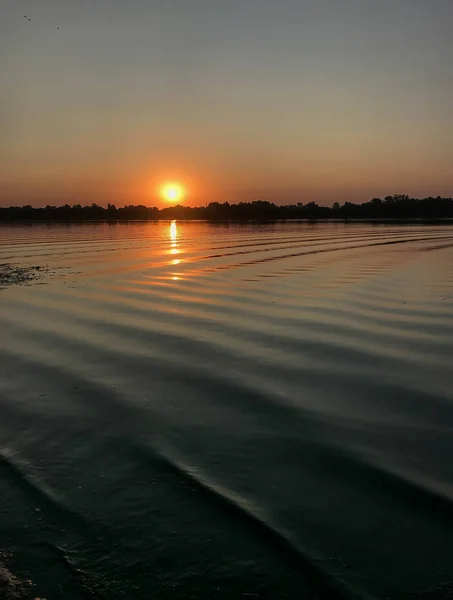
[[398, 206]]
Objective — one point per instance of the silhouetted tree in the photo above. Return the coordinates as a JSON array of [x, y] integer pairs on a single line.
[[398, 206]]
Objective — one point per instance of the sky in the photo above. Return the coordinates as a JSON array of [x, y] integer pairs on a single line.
[[238, 100]]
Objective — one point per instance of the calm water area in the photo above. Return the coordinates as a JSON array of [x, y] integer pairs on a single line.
[[190, 410]]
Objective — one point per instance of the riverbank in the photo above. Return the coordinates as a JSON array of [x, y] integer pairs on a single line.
[[11, 587]]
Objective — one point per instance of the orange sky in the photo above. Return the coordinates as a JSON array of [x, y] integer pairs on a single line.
[[292, 101]]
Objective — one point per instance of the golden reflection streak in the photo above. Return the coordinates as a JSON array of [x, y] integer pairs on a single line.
[[173, 232], [174, 243]]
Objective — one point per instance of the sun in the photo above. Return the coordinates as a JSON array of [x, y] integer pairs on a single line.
[[172, 191]]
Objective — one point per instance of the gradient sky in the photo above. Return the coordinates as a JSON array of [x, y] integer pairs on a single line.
[[281, 100]]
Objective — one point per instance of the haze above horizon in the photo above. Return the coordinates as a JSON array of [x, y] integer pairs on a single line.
[[297, 100]]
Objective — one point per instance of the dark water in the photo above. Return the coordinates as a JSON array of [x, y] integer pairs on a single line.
[[244, 411]]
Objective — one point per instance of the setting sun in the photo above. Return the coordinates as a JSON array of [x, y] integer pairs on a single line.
[[172, 192]]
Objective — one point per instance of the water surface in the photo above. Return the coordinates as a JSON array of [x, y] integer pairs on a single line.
[[228, 411]]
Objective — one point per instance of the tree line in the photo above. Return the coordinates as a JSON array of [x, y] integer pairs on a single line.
[[398, 206]]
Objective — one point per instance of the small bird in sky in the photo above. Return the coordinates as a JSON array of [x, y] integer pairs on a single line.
[[25, 17]]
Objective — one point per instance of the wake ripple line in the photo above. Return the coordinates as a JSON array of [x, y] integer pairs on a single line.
[[35, 488], [324, 250], [328, 585], [409, 489]]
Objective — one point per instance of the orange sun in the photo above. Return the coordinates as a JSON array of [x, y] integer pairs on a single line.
[[172, 192]]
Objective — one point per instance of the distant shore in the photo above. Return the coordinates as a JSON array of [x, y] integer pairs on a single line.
[[401, 221], [400, 208]]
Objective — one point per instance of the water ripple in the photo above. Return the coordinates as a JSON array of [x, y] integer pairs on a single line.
[[217, 411]]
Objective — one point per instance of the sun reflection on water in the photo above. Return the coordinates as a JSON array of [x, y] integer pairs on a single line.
[[173, 232], [174, 247]]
